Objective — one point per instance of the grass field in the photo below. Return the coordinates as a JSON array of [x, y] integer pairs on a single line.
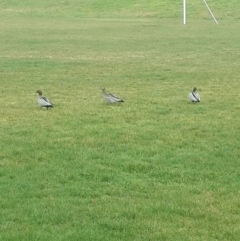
[[155, 167]]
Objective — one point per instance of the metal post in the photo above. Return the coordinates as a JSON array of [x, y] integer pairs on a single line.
[[210, 12], [184, 12]]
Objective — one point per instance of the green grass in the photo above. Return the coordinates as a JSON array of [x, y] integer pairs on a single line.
[[153, 168]]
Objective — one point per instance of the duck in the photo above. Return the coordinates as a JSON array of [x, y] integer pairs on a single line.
[[194, 96], [43, 101], [110, 98]]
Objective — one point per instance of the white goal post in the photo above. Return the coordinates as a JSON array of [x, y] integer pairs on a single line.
[[185, 12]]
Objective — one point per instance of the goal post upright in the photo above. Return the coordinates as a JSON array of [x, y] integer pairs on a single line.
[[184, 12]]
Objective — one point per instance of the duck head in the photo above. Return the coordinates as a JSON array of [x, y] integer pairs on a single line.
[[194, 89], [39, 92]]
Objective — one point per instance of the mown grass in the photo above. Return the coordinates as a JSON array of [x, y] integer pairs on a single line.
[[155, 167]]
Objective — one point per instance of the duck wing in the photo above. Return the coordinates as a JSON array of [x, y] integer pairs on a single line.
[[44, 101], [113, 98], [196, 96]]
